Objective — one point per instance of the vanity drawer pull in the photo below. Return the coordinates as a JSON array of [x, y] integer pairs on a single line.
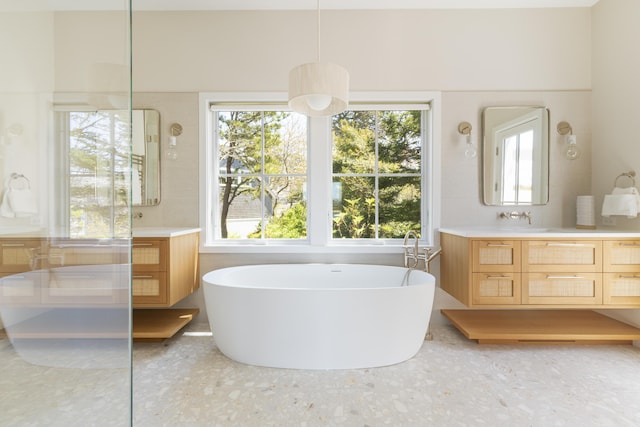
[[13, 245], [565, 277], [629, 277], [142, 244], [499, 245], [499, 277], [571, 245], [630, 245], [142, 277]]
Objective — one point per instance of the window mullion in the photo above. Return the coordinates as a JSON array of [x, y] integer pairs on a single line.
[[263, 180], [319, 180], [376, 178]]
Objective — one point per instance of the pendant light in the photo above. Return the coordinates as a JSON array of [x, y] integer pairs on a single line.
[[318, 89]]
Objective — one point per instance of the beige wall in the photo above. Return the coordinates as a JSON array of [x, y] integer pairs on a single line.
[[516, 49], [616, 111]]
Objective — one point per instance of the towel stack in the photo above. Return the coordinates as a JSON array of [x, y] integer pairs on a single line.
[[622, 201]]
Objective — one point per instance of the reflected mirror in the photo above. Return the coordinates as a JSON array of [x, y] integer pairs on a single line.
[[515, 156], [145, 158]]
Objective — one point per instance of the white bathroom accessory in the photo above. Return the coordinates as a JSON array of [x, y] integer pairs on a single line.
[[585, 212]]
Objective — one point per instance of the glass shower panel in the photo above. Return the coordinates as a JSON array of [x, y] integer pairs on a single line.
[[65, 305]]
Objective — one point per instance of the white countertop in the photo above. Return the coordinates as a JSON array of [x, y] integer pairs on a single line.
[[539, 232], [162, 231]]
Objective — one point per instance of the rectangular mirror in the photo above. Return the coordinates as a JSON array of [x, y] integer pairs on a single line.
[[515, 156]]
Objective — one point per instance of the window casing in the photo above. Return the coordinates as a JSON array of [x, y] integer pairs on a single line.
[[414, 176]]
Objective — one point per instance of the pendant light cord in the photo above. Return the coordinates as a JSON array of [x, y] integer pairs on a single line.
[[318, 17]]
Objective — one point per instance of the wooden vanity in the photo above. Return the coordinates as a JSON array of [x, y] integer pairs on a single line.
[[165, 270], [570, 272]]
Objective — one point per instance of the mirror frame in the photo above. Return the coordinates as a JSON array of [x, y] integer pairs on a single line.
[[513, 116]]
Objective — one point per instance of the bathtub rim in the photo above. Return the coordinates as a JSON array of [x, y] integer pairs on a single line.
[[431, 278]]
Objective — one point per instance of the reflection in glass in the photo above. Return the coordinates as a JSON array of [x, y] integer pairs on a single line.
[[99, 167], [516, 156], [65, 347], [517, 168]]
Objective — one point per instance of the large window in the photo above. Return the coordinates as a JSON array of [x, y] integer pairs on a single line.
[[273, 176]]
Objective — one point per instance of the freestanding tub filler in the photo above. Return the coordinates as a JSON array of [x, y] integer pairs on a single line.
[[319, 316]]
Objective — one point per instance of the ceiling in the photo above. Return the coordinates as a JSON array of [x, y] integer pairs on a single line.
[[312, 4]]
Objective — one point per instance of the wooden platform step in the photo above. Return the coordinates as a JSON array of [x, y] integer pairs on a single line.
[[159, 324], [541, 327]]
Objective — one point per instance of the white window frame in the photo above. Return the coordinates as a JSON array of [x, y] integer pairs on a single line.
[[319, 176]]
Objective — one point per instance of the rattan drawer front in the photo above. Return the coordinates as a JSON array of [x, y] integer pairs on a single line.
[[621, 288], [559, 256], [496, 256], [496, 288], [562, 288], [622, 255], [149, 254], [149, 288]]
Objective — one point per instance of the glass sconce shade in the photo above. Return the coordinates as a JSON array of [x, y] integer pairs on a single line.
[[318, 89], [572, 151]]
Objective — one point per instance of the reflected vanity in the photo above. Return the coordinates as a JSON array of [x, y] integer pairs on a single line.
[[515, 156]]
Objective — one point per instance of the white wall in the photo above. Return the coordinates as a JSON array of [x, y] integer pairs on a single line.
[[616, 110]]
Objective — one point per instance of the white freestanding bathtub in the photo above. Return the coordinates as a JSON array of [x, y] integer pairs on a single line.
[[319, 316]]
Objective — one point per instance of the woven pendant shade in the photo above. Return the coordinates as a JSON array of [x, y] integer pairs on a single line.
[[318, 89]]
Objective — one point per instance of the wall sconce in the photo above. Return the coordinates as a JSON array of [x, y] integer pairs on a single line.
[[175, 130], [572, 152], [464, 129]]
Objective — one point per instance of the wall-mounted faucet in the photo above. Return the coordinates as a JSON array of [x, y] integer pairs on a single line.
[[515, 215]]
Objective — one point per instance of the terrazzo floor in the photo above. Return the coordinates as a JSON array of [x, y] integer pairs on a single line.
[[452, 381], [186, 381]]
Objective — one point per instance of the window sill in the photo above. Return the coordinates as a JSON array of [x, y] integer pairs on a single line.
[[306, 249]]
